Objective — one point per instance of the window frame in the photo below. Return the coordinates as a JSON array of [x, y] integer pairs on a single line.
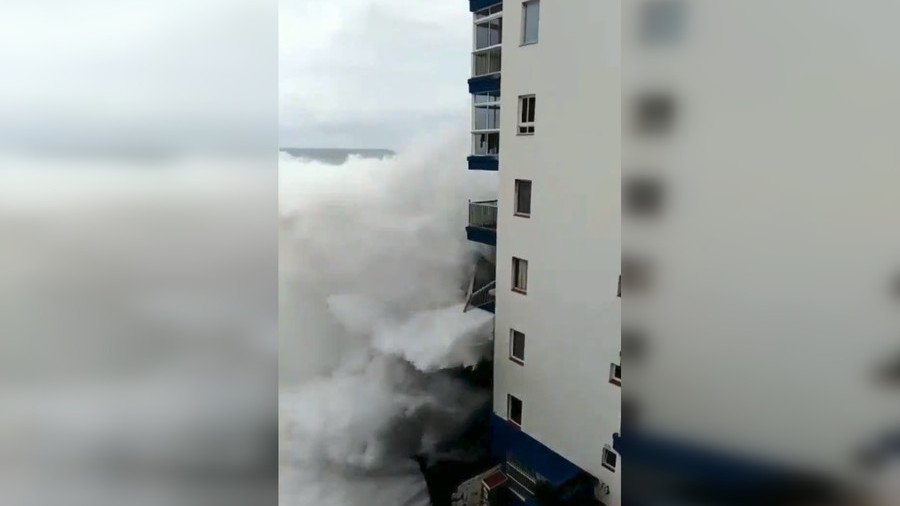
[[526, 127], [524, 27], [492, 50], [509, 411], [490, 106], [609, 451], [516, 263], [492, 10], [487, 134], [615, 374], [512, 346], [516, 211], [487, 21]]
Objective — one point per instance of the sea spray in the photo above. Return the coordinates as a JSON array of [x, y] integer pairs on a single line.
[[374, 263]]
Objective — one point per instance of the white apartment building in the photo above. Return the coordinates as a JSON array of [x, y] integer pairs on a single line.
[[546, 114], [755, 146]]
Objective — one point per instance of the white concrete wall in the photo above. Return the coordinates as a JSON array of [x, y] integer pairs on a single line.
[[572, 240], [771, 303]]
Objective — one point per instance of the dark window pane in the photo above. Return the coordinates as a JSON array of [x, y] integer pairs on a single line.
[[518, 345], [634, 344], [515, 410], [496, 32], [662, 22], [482, 35], [520, 274], [643, 196], [655, 114], [609, 459], [531, 14], [523, 197], [635, 274]]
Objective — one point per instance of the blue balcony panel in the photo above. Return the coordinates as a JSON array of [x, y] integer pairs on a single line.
[[668, 454], [482, 235], [484, 84], [483, 163], [477, 5], [728, 476], [507, 441]]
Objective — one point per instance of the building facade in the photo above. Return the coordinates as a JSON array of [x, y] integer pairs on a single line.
[[749, 172], [546, 115]]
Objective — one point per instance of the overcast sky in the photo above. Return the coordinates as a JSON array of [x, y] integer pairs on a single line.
[[150, 74], [371, 73], [160, 74]]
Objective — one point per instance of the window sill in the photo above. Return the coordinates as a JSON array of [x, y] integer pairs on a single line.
[[522, 215], [611, 468], [514, 424], [616, 382], [516, 360], [523, 44], [519, 290], [525, 134]]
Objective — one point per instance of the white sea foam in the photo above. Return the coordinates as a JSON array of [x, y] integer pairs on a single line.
[[374, 263]]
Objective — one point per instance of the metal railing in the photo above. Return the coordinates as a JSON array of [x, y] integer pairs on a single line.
[[481, 297], [483, 214]]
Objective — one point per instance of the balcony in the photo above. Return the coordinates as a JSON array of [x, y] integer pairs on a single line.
[[485, 148], [483, 222], [480, 294]]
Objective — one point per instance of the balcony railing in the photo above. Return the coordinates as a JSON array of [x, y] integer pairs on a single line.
[[483, 214], [481, 293], [481, 297]]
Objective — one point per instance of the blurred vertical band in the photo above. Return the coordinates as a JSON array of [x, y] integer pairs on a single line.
[[138, 264], [760, 218]]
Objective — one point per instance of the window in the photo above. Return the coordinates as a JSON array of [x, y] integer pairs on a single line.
[[635, 274], [488, 33], [662, 22], [488, 11], [643, 196], [610, 459], [655, 114], [615, 374], [634, 344], [486, 61], [519, 275], [486, 124], [486, 111], [487, 97], [514, 409], [526, 114], [531, 13], [523, 198], [486, 144], [487, 117], [517, 346]]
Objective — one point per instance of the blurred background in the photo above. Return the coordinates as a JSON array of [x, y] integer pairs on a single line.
[[760, 184], [138, 263]]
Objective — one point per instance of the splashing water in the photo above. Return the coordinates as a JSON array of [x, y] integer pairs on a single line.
[[373, 263]]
